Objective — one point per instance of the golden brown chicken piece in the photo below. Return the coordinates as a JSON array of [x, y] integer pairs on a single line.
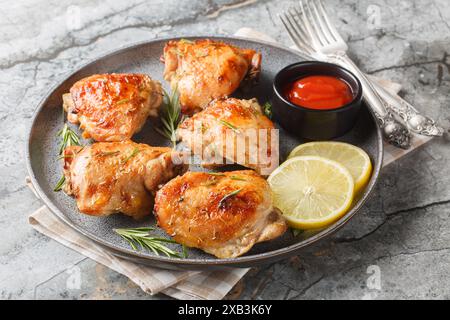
[[231, 130], [203, 70], [223, 214], [112, 177], [112, 107]]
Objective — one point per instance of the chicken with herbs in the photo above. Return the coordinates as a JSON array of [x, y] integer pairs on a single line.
[[224, 214], [203, 70], [232, 131], [113, 177], [112, 107]]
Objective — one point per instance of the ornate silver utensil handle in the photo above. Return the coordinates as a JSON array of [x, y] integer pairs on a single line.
[[415, 121]]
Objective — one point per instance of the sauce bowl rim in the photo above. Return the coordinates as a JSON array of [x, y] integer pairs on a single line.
[[278, 90]]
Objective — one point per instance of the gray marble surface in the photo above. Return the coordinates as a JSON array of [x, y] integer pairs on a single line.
[[398, 247]]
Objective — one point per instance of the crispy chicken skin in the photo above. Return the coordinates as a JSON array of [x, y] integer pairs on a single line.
[[237, 118], [112, 177], [222, 214], [112, 107], [203, 70]]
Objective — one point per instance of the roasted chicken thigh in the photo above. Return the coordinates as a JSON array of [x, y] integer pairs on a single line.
[[112, 107], [112, 177], [223, 214], [203, 70], [231, 130]]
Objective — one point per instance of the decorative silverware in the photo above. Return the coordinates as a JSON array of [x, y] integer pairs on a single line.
[[311, 30], [415, 121]]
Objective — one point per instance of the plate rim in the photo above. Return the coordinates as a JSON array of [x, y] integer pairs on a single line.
[[188, 262]]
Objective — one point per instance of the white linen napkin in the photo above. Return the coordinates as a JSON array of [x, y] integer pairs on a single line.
[[177, 284]]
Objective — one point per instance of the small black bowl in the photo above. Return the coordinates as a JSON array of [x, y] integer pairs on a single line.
[[310, 123]]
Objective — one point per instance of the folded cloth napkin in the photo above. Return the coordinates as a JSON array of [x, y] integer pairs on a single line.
[[177, 284]]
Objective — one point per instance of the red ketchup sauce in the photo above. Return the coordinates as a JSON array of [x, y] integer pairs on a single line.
[[319, 92]]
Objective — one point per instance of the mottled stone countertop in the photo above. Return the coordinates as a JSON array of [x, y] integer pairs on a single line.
[[401, 238]]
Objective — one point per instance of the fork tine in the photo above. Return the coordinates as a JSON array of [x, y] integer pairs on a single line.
[[331, 27], [299, 27], [294, 34], [298, 23], [291, 30], [307, 26], [308, 15], [323, 26]]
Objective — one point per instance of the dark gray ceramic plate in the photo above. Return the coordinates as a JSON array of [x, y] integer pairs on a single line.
[[45, 170]]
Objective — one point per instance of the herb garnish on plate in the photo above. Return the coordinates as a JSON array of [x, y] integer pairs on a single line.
[[140, 238], [69, 138], [131, 155], [229, 125], [170, 116], [267, 109], [228, 196]]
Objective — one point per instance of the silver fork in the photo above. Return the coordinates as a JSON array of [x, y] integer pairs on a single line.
[[311, 30]]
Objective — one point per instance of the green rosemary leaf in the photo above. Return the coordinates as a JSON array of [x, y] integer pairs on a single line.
[[60, 184], [163, 240], [225, 198], [267, 109], [219, 174], [142, 229], [185, 251], [108, 153], [170, 116], [237, 178], [229, 125], [162, 132], [69, 138], [131, 243], [140, 238], [135, 152]]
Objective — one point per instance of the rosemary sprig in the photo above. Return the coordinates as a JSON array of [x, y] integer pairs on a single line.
[[131, 155], [108, 153], [60, 184], [237, 178], [219, 174], [267, 109], [69, 138], [71, 155], [140, 238], [170, 116], [185, 251], [225, 198], [229, 125]]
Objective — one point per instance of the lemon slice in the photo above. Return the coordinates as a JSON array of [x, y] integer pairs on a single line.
[[311, 191], [353, 158]]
